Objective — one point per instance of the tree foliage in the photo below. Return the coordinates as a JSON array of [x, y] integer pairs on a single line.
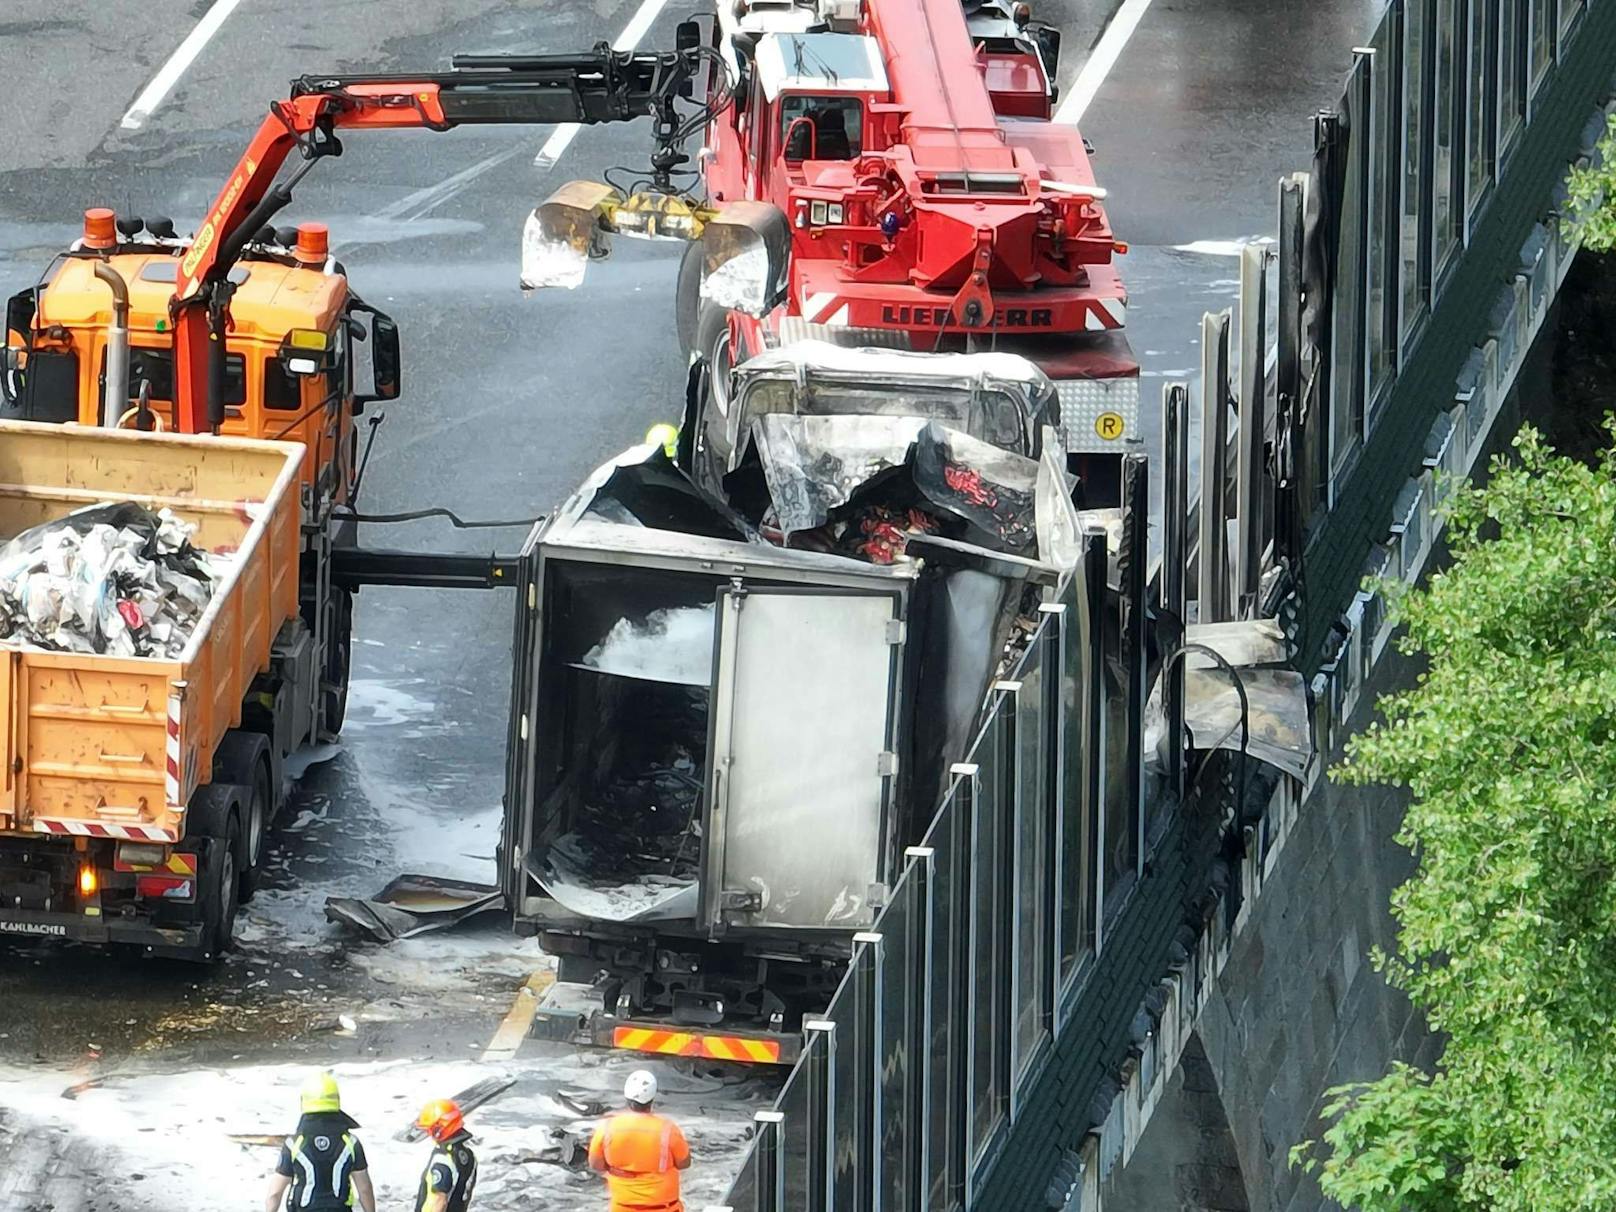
[[1507, 929], [1593, 195]]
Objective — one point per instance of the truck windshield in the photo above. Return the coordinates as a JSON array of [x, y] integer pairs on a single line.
[[993, 416]]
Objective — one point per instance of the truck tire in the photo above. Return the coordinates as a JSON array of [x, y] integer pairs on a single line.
[[243, 759], [216, 824], [220, 889], [687, 300], [338, 665]]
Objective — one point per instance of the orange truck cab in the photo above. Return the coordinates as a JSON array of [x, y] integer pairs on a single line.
[[295, 328]]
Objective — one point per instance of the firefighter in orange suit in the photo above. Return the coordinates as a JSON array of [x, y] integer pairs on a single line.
[[640, 1152]]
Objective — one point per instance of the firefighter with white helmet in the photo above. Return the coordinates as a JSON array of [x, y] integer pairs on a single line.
[[640, 1152]]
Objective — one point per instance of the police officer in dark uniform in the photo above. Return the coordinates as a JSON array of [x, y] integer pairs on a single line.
[[451, 1172], [322, 1166]]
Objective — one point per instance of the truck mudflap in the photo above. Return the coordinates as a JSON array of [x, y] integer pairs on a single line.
[[89, 928], [572, 1014]]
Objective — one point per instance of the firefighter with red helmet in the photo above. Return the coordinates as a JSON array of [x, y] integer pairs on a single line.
[[450, 1176]]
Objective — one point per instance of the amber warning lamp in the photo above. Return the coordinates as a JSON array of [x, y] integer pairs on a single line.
[[313, 243], [100, 228]]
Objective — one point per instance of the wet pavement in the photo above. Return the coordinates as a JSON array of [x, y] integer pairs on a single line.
[[507, 403]]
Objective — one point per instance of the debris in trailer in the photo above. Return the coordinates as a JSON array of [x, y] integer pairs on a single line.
[[635, 847], [115, 579]]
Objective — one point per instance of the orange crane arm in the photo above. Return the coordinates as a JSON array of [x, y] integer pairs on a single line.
[[601, 85]]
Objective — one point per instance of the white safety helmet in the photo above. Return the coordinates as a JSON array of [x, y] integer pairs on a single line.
[[640, 1087]]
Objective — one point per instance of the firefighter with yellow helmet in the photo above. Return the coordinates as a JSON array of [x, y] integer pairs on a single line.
[[666, 436], [322, 1166]]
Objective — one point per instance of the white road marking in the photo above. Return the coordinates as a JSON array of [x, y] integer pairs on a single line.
[[639, 24], [1104, 58], [416, 205], [168, 75]]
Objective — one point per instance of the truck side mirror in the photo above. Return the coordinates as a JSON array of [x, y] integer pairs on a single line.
[[1049, 46], [20, 311], [385, 361]]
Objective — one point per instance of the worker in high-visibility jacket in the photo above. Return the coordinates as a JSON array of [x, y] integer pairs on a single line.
[[322, 1165], [640, 1152]]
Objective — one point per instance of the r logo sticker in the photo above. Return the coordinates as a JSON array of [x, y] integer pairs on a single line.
[[1109, 425]]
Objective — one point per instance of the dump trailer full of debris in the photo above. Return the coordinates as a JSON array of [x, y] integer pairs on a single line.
[[116, 579]]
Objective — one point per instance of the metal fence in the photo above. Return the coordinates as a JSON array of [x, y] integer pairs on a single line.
[[916, 1073], [917, 1070], [1436, 108]]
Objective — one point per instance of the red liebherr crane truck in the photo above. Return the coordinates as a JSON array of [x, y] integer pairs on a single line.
[[933, 203]]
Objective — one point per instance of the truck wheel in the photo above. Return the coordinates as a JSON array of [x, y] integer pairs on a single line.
[[243, 759], [338, 664], [217, 897], [221, 912], [687, 300]]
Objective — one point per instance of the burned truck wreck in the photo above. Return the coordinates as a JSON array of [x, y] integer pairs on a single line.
[[732, 711]]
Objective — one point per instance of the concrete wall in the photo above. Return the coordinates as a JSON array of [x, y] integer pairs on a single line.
[[1299, 1008]]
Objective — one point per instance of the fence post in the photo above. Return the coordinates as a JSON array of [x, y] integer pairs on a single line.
[[771, 1184], [923, 870], [1133, 584], [871, 961], [961, 991], [1213, 557], [1297, 483], [821, 1053], [1175, 556], [1250, 509], [1094, 709]]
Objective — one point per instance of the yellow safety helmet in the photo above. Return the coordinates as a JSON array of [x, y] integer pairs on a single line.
[[320, 1093], [666, 436]]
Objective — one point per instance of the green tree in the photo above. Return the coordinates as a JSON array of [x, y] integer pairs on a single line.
[[1593, 195], [1507, 929]]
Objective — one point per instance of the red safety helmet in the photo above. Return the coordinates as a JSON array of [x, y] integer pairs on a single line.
[[441, 1119]]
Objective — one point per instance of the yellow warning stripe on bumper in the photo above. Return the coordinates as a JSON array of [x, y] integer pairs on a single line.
[[685, 1043]]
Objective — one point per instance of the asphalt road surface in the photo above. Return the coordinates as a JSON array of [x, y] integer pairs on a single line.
[[507, 403]]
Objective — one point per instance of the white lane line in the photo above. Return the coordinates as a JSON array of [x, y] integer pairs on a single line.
[[417, 205], [561, 138], [168, 75], [1104, 58]]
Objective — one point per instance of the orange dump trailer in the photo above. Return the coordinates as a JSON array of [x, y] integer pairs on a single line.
[[137, 790]]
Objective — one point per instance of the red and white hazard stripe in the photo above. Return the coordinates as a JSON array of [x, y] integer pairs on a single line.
[[128, 833], [173, 782], [1106, 313], [823, 307]]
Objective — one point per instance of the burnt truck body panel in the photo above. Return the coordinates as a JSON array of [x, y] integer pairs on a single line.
[[716, 756]]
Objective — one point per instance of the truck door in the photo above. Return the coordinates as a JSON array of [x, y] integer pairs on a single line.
[[802, 762]]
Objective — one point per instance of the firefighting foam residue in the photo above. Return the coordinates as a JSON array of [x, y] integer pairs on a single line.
[[671, 645]]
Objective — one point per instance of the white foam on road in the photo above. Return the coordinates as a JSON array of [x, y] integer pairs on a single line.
[[175, 1129], [1222, 248], [1106, 52], [638, 26], [169, 74]]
